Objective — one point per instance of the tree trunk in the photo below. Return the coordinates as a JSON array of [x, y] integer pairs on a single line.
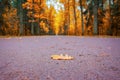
[[32, 23], [110, 28], [81, 8], [21, 28], [95, 22], [38, 27], [32, 28], [68, 17], [75, 18], [1, 11]]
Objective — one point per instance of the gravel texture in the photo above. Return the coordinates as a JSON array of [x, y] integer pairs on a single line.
[[29, 58]]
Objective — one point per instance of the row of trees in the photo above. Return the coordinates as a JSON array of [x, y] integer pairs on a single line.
[[67, 17]]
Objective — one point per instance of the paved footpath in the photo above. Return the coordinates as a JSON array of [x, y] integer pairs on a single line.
[[28, 58]]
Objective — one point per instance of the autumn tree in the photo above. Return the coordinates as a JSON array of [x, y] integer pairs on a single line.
[[3, 5], [82, 20], [75, 18], [51, 16], [10, 21], [79, 22], [8, 18], [92, 17], [69, 17], [95, 12], [59, 22], [104, 18], [66, 4], [116, 17], [36, 9], [88, 17]]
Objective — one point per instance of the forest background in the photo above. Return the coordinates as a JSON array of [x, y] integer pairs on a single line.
[[59, 17]]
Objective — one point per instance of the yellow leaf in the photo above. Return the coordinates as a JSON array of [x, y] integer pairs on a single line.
[[62, 57]]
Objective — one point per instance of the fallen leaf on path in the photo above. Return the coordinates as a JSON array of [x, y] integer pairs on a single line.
[[61, 57]]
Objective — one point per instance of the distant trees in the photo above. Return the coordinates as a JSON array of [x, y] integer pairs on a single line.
[[66, 4], [115, 17], [51, 18], [68, 17], [8, 19], [36, 10]]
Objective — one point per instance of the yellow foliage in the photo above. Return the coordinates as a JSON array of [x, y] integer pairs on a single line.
[[44, 27], [59, 22], [62, 57]]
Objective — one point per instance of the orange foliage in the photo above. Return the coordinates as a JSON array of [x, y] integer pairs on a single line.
[[11, 22]]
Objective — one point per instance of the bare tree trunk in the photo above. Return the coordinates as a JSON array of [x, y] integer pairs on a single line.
[[110, 29], [32, 23], [32, 27], [21, 28], [95, 12]]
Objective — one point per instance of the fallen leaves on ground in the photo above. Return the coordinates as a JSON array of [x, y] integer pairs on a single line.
[[62, 57]]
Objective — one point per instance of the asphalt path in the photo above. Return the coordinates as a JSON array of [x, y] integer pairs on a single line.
[[29, 58]]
